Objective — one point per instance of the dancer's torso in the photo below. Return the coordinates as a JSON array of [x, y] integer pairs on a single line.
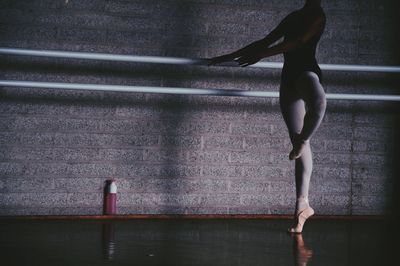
[[303, 58]]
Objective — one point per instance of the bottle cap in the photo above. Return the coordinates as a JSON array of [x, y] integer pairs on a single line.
[[113, 187]]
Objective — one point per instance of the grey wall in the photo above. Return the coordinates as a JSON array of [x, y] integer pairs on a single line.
[[187, 154]]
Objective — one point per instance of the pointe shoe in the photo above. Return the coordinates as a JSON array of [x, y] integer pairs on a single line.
[[298, 149], [301, 218]]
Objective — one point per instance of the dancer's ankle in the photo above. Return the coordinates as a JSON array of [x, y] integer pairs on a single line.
[[302, 203]]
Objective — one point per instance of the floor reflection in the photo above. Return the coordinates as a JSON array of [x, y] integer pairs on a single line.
[[301, 253], [108, 241], [194, 242]]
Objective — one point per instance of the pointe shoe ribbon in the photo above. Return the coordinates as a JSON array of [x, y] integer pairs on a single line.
[[301, 218]]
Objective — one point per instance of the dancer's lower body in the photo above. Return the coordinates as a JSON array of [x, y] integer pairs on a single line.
[[303, 105]]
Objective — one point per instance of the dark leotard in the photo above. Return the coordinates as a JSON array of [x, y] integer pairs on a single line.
[[303, 58]]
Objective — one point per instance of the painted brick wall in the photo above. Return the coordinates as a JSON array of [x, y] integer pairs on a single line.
[[187, 154]]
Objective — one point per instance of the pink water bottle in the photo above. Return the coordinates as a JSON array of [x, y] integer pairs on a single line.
[[110, 198]]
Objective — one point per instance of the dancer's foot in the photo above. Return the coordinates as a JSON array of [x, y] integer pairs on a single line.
[[298, 148], [301, 218]]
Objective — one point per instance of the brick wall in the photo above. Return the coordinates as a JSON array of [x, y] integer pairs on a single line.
[[187, 154]]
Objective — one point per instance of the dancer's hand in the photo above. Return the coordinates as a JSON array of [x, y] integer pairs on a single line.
[[249, 59], [219, 59]]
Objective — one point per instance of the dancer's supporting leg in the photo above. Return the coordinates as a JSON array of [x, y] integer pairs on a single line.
[[293, 111]]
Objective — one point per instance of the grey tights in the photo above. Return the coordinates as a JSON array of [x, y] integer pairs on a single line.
[[303, 107]]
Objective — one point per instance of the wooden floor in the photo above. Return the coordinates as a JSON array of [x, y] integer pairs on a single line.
[[188, 216], [195, 241]]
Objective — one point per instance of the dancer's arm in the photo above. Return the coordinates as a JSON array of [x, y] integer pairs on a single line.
[[285, 46], [254, 47]]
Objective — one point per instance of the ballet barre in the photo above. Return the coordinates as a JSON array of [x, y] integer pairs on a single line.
[[187, 91], [181, 61]]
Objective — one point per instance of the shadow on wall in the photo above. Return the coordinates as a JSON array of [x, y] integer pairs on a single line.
[[173, 181], [396, 192]]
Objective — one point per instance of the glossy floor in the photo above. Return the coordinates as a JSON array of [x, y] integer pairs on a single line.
[[194, 242]]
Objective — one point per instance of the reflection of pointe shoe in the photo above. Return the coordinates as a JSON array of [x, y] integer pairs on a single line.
[[301, 218], [302, 254], [297, 150]]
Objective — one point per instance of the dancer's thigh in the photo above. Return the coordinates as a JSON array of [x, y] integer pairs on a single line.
[[292, 108], [310, 88]]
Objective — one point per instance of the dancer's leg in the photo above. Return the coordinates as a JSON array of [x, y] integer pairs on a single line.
[[293, 111], [303, 170], [314, 96], [311, 91]]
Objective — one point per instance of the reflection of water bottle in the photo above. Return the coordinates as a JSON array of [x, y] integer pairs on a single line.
[[110, 198], [108, 242]]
